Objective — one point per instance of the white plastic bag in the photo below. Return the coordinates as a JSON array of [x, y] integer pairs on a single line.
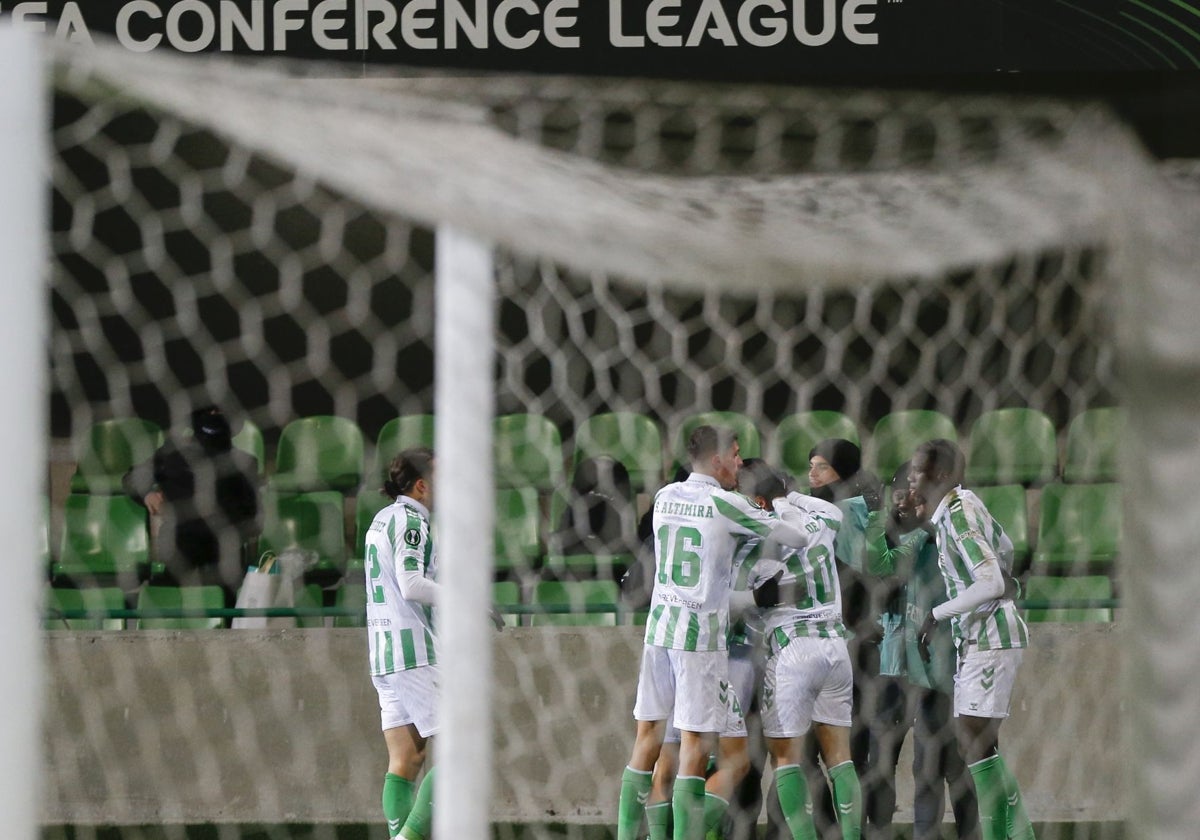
[[274, 582]]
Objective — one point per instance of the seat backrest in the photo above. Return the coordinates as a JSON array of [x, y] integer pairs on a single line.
[[305, 521], [318, 453], [1093, 441], [250, 439], [1012, 446], [351, 595], [897, 434], [1080, 527], [103, 535], [59, 600], [631, 438], [1006, 504], [576, 595], [798, 433], [1066, 589], [507, 593], [528, 452], [180, 597], [110, 448], [749, 439], [398, 434], [518, 532]]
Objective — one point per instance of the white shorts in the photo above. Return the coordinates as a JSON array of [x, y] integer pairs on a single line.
[[409, 697], [983, 683], [684, 684], [735, 717], [808, 680]]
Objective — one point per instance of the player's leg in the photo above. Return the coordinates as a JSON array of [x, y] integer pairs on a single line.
[[700, 713], [420, 687], [419, 825], [733, 762], [889, 722], [929, 741], [831, 726], [790, 686], [982, 698], [658, 806], [655, 695], [945, 763], [407, 705]]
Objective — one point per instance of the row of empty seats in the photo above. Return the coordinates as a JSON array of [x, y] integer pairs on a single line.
[[566, 603], [1005, 446]]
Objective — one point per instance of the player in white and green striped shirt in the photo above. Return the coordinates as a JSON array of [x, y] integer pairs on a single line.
[[808, 680], [401, 593], [698, 526], [973, 554]]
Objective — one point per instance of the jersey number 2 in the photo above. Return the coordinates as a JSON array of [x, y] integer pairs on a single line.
[[678, 561], [375, 570]]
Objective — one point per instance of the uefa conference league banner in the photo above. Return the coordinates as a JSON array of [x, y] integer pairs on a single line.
[[734, 40]]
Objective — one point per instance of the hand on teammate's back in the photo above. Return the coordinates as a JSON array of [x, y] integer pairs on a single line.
[[767, 593]]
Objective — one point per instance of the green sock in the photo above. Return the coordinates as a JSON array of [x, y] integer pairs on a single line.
[[687, 808], [847, 796], [658, 819], [420, 818], [1019, 827], [397, 802], [635, 787], [793, 801], [714, 809], [993, 801]]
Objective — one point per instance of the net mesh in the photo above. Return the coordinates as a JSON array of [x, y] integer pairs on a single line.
[[256, 237]]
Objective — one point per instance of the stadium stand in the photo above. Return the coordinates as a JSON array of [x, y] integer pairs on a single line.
[[1012, 446], [110, 448], [798, 433], [318, 453]]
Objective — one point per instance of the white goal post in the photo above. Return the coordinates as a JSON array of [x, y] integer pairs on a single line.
[[652, 284]]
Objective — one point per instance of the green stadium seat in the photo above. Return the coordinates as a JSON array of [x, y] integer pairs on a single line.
[[105, 541], [528, 453], [798, 433], [1006, 502], [518, 521], [398, 434], [310, 596], [250, 439], [749, 440], [587, 566], [1080, 528], [59, 600], [1065, 589], [1093, 442], [897, 434], [180, 597], [576, 595], [318, 453], [351, 595], [110, 449], [507, 593], [631, 438], [310, 522], [1012, 446], [366, 505]]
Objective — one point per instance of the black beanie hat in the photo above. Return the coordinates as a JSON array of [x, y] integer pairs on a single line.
[[842, 455], [211, 429]]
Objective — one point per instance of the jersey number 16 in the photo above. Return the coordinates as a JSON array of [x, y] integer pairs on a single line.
[[678, 561]]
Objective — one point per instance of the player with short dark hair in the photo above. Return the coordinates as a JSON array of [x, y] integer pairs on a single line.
[[698, 525], [973, 554]]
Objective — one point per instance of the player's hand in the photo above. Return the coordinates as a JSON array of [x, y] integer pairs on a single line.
[[153, 502], [1012, 586], [925, 637], [767, 593], [497, 619]]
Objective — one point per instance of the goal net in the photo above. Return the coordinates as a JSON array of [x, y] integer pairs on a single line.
[[288, 242]]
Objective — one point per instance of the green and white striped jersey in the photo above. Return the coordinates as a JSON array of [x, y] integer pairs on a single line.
[[400, 632], [812, 571], [698, 528], [966, 536]]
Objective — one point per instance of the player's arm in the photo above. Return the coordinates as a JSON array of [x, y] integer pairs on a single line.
[[966, 536], [885, 558], [750, 520], [410, 547]]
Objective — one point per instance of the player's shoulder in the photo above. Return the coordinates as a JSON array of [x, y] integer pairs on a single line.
[[814, 506]]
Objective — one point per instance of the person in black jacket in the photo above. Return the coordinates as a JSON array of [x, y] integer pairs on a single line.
[[206, 493]]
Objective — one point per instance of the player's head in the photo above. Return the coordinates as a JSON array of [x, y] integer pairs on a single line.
[[832, 460], [211, 430], [759, 481], [903, 500], [937, 466], [411, 474], [714, 451]]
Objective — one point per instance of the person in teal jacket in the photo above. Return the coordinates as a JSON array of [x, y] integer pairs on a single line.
[[898, 547]]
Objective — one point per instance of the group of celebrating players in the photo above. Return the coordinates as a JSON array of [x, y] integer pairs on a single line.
[[743, 562], [747, 602]]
